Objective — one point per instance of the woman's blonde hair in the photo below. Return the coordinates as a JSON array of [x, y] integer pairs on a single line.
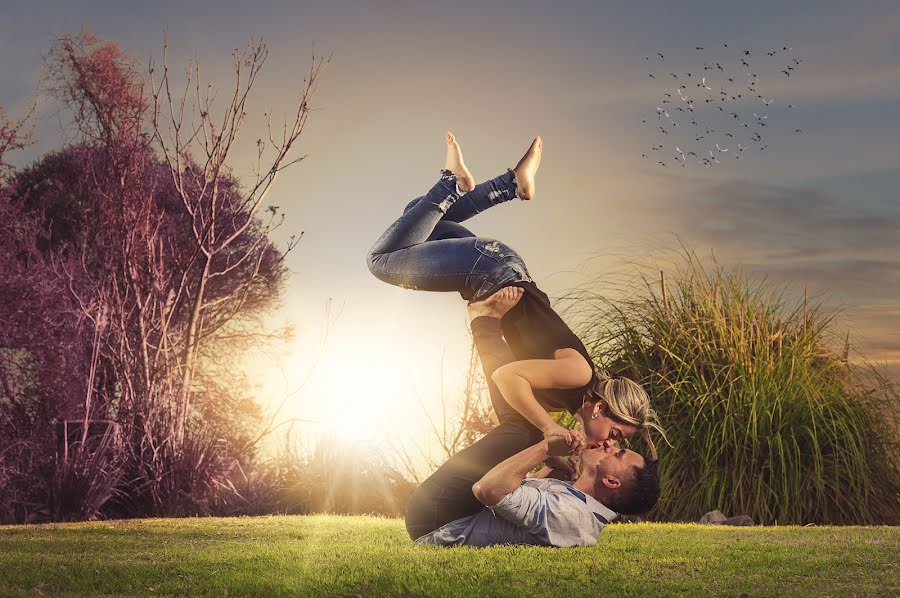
[[628, 403]]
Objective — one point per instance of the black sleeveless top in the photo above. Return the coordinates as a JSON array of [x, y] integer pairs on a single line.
[[533, 330]]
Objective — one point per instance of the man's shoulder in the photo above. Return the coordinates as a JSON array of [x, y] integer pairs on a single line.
[[560, 490], [568, 517], [573, 499]]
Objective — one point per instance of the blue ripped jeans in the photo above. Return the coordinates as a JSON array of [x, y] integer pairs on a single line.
[[429, 250]]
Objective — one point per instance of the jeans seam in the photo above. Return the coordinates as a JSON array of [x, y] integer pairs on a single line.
[[419, 276]]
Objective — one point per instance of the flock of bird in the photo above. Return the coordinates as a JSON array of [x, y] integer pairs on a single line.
[[715, 112]]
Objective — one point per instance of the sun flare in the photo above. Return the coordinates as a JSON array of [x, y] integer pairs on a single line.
[[362, 395]]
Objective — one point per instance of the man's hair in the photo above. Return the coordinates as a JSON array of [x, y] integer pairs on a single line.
[[638, 493]]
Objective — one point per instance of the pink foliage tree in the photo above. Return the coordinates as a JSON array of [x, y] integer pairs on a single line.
[[148, 259]]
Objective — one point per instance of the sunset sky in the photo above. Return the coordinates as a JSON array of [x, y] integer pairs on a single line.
[[821, 208]]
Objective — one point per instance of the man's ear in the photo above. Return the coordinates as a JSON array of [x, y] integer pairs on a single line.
[[611, 482]]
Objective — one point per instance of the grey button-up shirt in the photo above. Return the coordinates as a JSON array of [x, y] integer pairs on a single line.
[[542, 512]]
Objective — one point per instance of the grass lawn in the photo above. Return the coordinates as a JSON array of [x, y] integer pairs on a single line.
[[369, 556]]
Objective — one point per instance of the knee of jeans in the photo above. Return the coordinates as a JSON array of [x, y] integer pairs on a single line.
[[411, 204]]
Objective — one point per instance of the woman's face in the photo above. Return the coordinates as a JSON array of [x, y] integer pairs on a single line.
[[598, 427]]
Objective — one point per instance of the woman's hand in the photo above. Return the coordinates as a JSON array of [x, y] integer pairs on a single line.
[[574, 439]]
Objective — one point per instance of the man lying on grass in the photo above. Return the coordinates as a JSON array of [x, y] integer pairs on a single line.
[[552, 512], [480, 496]]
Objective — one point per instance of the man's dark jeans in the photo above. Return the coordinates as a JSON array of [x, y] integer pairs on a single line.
[[447, 494]]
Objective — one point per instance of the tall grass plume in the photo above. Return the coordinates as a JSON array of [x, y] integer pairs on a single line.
[[766, 413]]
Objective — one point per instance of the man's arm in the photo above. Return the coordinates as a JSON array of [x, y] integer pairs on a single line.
[[554, 517], [506, 476]]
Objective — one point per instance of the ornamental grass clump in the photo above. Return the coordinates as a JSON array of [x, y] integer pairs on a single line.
[[765, 413]]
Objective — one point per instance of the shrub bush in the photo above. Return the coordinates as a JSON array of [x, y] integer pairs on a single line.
[[765, 416]]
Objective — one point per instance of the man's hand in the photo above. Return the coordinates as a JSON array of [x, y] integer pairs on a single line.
[[497, 304]]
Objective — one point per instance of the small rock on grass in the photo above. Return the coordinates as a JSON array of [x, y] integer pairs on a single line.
[[740, 520], [714, 518]]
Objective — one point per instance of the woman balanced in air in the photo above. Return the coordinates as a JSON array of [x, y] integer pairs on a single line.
[[427, 248]]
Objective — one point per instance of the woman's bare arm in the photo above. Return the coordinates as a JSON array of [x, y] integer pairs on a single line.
[[518, 380]]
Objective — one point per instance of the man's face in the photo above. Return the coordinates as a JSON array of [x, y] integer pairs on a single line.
[[608, 460]]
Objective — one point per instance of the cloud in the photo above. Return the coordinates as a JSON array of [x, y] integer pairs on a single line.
[[804, 226], [844, 252]]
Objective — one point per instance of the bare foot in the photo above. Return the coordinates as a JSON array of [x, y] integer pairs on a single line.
[[456, 165], [497, 304], [526, 168]]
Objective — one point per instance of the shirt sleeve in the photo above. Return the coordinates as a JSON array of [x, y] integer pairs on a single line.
[[554, 518]]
